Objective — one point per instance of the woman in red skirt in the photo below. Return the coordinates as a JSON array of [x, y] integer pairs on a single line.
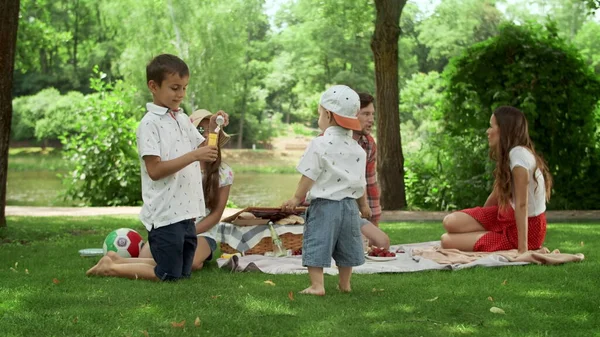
[[513, 216]]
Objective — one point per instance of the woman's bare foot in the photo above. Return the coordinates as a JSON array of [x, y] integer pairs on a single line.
[[318, 291], [101, 268]]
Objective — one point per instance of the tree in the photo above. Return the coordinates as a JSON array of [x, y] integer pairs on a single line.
[[319, 43], [592, 5], [586, 42], [9, 22], [456, 25], [390, 160], [58, 43]]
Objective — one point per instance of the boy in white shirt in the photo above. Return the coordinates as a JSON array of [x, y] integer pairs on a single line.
[[168, 146], [333, 175]]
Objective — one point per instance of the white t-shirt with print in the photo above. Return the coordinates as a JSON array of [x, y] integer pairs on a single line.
[[521, 156], [225, 179], [336, 163], [178, 196]]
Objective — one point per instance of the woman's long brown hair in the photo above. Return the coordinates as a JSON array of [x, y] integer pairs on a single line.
[[514, 131], [210, 180]]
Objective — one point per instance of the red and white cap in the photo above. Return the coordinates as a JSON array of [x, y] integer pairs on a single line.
[[344, 103]]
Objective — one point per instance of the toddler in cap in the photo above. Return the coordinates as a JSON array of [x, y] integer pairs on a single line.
[[333, 180]]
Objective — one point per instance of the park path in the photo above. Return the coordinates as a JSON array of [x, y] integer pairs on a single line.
[[386, 216]]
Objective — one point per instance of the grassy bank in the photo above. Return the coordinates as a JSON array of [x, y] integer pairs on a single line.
[[242, 161], [44, 292], [36, 159]]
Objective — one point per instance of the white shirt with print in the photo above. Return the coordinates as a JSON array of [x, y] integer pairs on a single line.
[[336, 163], [225, 179], [178, 196], [521, 156]]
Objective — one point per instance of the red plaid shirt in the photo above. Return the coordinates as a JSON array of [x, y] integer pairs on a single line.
[[368, 143]]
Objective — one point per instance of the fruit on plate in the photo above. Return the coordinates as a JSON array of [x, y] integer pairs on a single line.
[[380, 252], [297, 252]]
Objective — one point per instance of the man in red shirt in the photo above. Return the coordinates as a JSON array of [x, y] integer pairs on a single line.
[[370, 227]]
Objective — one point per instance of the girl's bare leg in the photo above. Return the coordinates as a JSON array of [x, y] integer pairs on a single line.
[[116, 258], [461, 241], [106, 267], [145, 253], [317, 286], [202, 253], [345, 274]]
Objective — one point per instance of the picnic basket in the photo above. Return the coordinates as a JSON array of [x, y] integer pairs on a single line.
[[264, 215]]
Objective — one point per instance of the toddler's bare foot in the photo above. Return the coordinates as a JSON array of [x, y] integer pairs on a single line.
[[102, 268], [318, 291], [345, 288]]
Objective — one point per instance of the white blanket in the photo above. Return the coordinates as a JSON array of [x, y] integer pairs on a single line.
[[405, 262]]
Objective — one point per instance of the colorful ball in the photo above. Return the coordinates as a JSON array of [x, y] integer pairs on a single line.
[[124, 241]]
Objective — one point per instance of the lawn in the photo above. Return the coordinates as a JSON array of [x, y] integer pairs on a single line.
[[44, 292]]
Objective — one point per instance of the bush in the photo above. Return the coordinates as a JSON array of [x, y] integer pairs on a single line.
[[531, 68], [103, 153], [299, 129], [45, 115]]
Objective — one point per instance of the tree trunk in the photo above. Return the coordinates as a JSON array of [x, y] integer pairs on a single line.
[[9, 21], [75, 36], [240, 135], [390, 167]]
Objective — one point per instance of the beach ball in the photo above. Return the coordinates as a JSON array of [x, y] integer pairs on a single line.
[[124, 241]]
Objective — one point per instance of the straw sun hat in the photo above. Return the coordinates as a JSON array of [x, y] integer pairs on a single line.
[[201, 114]]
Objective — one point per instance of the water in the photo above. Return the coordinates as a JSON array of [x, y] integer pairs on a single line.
[[251, 189], [42, 188], [34, 188]]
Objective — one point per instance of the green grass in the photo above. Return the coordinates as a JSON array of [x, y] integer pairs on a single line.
[[538, 300]]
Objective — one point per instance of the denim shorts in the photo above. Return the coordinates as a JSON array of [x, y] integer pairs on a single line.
[[363, 221], [212, 244], [332, 229], [173, 248]]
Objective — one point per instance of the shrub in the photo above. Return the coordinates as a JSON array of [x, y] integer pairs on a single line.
[[533, 69], [106, 168]]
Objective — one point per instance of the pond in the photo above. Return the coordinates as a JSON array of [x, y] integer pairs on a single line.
[[42, 188]]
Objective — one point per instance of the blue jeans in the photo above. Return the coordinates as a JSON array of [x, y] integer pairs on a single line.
[[332, 229]]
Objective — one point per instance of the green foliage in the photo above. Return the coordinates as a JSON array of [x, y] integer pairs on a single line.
[[59, 41], [456, 25], [531, 68], [319, 43], [302, 130], [103, 153], [587, 43], [45, 115], [434, 178]]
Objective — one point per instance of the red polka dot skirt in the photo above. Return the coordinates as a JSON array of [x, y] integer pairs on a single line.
[[502, 229]]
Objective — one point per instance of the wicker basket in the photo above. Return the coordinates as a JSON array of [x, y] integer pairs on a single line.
[[289, 240]]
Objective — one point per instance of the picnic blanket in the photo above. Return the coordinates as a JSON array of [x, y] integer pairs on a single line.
[[243, 238], [416, 257]]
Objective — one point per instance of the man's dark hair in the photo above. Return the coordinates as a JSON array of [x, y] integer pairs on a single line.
[[365, 99], [165, 64]]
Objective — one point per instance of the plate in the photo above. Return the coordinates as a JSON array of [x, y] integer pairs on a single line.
[[381, 259], [91, 252]]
